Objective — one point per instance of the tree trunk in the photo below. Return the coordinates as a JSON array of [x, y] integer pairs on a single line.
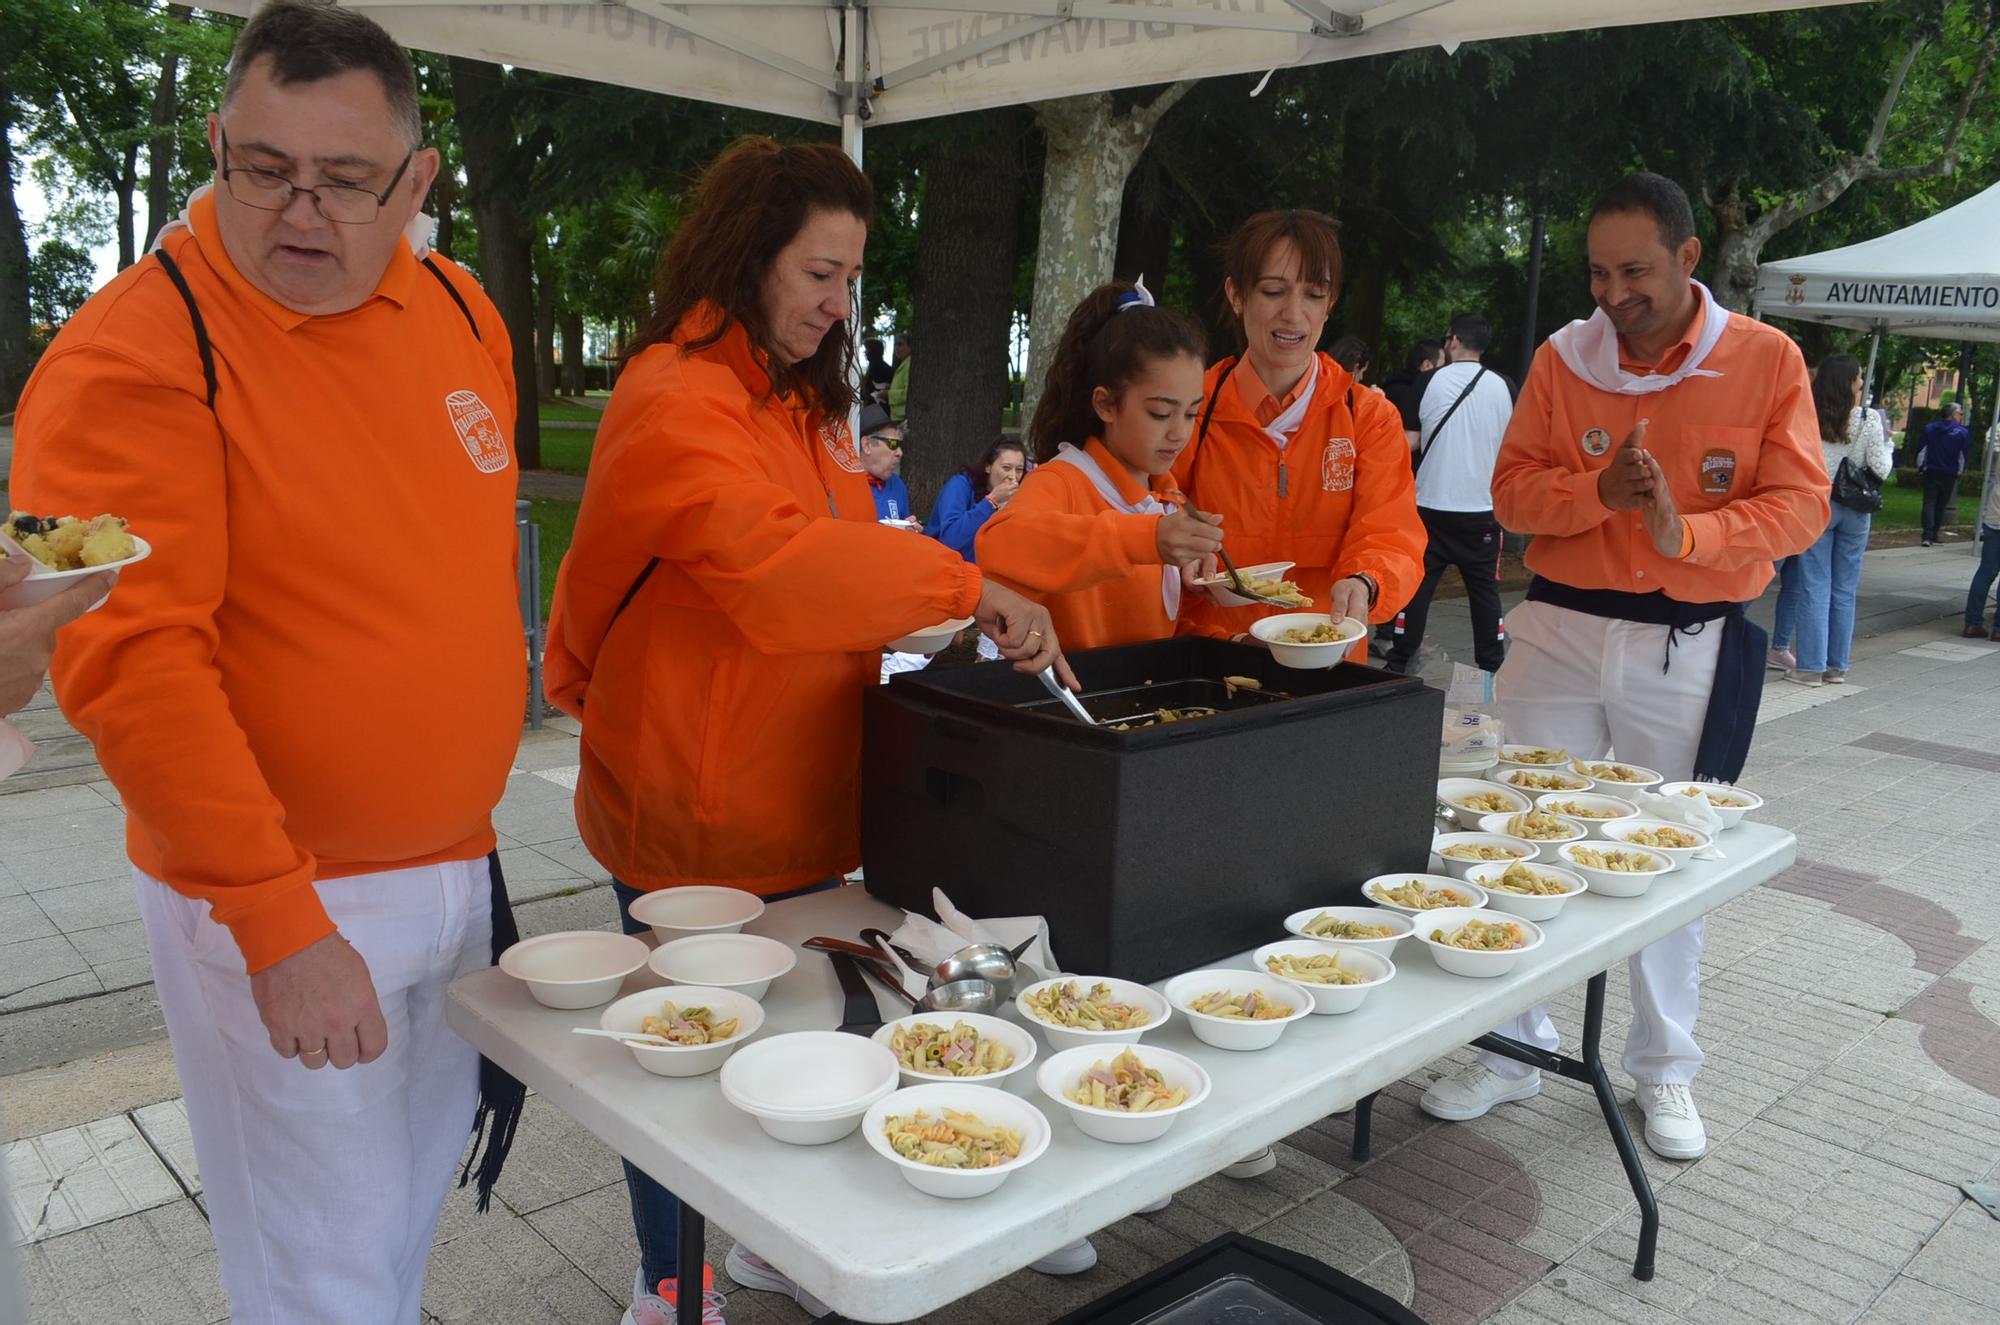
[[545, 321], [160, 147], [570, 327], [1091, 152], [17, 355], [126, 187], [506, 240], [963, 298]]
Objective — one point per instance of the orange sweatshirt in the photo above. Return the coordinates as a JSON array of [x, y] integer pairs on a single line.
[[1338, 498], [1096, 569], [722, 707], [319, 671], [1742, 457]]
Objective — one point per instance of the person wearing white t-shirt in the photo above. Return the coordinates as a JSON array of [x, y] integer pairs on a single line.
[[1464, 412]]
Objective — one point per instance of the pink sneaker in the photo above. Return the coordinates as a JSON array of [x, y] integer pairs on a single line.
[[659, 1308]]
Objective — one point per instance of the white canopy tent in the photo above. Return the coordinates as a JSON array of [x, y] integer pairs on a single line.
[[938, 57]]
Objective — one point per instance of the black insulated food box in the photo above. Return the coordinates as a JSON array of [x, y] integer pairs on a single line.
[[1238, 1280], [1155, 849]]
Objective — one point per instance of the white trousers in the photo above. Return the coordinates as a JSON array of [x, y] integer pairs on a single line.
[[1594, 686], [323, 1187]]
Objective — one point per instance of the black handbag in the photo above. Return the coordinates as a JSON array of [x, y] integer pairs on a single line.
[[1857, 487]]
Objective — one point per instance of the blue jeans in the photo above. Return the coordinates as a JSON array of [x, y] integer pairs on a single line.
[[1982, 579], [656, 1212], [1829, 579], [1787, 622]]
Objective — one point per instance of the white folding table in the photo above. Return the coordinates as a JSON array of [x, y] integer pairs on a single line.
[[845, 1224]]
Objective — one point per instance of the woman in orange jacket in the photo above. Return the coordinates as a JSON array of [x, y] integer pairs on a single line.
[[1099, 531], [722, 607], [1305, 464]]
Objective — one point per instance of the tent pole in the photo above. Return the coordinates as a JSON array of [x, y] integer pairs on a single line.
[[1874, 349], [853, 30]]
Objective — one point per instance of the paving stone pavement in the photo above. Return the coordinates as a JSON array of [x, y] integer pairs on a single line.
[[1851, 1018]]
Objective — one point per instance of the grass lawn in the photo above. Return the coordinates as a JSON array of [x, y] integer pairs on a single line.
[[558, 523], [563, 411], [568, 449]]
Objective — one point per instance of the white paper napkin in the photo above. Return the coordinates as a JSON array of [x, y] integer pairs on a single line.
[[1694, 811], [932, 942]]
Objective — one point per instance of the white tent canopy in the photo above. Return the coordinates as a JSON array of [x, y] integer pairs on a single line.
[[1938, 279], [938, 57]]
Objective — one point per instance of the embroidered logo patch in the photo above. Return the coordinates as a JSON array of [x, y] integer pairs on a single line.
[[839, 444], [1718, 471], [1336, 465], [1596, 442], [478, 431]]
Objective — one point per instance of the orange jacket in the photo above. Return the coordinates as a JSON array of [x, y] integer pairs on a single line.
[[722, 708], [1742, 457], [1339, 498], [319, 671], [1096, 569]]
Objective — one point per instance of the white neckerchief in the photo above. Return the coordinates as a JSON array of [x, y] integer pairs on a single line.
[[1170, 576], [417, 233], [1280, 429], [1590, 349]]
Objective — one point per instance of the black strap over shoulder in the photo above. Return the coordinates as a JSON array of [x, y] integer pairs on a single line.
[[1435, 432], [456, 297], [201, 342]]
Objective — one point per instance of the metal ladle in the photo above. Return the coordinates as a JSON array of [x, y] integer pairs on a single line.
[[982, 961]]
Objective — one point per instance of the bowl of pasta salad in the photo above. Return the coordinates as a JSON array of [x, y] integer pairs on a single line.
[[1337, 979], [1594, 811], [1413, 894], [1536, 781], [1461, 851], [1729, 803], [704, 1025], [1126, 1094], [1545, 828], [1477, 941], [1238, 1009], [1608, 775], [1076, 1010], [956, 1046], [1533, 756], [956, 1139], [1375, 928], [1613, 869], [1677, 842], [1532, 892], [1473, 797]]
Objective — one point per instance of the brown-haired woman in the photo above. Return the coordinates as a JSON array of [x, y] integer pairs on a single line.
[[1306, 465], [1099, 531], [721, 607]]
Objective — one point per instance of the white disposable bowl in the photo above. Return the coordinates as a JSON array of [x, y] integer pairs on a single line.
[[1454, 790], [1060, 1073], [1457, 868], [1471, 893], [1296, 922], [809, 1087], [1614, 883], [932, 639], [1731, 815], [1331, 999], [1571, 780], [982, 1102], [1623, 830], [675, 913], [1525, 905], [678, 1060], [1497, 824], [1014, 1038], [1648, 779], [1592, 800], [747, 963], [1510, 757], [1232, 1032], [1125, 991], [1308, 657], [43, 583], [1218, 585], [1464, 961], [576, 968]]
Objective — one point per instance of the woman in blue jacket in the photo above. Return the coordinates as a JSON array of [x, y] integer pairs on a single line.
[[971, 496]]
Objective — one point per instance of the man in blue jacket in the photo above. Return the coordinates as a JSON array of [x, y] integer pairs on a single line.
[[882, 458], [1942, 457]]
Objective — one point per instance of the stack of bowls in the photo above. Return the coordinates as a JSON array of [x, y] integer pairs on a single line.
[[809, 1088]]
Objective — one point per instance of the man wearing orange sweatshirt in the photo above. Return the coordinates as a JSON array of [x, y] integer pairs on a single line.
[[310, 694]]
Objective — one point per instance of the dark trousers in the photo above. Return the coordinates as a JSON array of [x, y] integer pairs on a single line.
[[1469, 540], [656, 1212], [1940, 502]]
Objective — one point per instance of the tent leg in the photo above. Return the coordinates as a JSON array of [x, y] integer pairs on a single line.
[[852, 68], [1874, 349]]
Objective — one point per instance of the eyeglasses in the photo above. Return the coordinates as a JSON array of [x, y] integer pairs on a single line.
[[268, 191], [893, 443]]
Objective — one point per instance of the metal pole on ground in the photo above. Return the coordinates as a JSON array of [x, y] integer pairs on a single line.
[[1874, 350], [528, 575], [1541, 234], [853, 68]]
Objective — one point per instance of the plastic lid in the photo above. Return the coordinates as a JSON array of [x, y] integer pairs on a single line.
[[1233, 1300]]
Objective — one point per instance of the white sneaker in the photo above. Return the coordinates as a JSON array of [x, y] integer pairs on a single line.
[[752, 1271], [650, 1308], [1155, 1207], [1673, 1128], [1253, 1166], [1469, 1094], [1074, 1258]]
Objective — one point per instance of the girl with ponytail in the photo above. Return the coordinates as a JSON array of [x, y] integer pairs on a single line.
[[1099, 532]]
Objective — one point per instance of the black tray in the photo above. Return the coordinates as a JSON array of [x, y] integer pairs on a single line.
[[1237, 1280]]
